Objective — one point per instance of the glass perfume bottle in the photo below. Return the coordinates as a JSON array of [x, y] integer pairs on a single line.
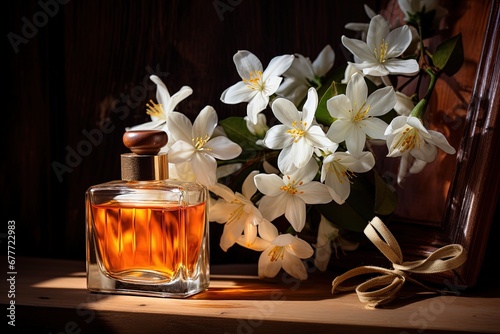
[[146, 234]]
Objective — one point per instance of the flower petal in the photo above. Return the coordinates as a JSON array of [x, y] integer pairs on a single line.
[[221, 211], [239, 92], [309, 108], [301, 248], [402, 66], [358, 48], [324, 62], [268, 184], [246, 63], [381, 101], [355, 141], [249, 188], [317, 138], [276, 137], [273, 207], [314, 193], [180, 152], [286, 160], [180, 127], [266, 267], [357, 91], [204, 167], [295, 212], [377, 32], [277, 66], [222, 148], [267, 230], [374, 127], [294, 266], [258, 103], [285, 111], [339, 106], [301, 152], [440, 141], [172, 103], [339, 130], [205, 123], [398, 41]]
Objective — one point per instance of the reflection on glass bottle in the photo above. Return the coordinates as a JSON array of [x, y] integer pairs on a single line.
[[147, 235]]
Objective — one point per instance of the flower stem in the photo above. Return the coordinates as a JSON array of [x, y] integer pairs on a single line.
[[421, 106]]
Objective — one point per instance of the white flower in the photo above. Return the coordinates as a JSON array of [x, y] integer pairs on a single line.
[[378, 55], [257, 85], [338, 169], [297, 136], [280, 251], [327, 233], [194, 143], [166, 104], [303, 74], [355, 114], [237, 211], [290, 194], [408, 135], [258, 129]]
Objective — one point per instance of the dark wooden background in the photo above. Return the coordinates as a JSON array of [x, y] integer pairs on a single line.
[[87, 65]]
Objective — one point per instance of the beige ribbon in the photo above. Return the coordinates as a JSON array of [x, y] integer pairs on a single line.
[[381, 290]]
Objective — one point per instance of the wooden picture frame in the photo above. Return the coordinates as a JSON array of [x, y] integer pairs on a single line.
[[469, 205], [473, 195], [474, 190]]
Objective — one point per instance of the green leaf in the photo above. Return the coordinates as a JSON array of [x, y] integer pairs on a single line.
[[322, 114], [357, 210], [344, 216], [449, 55], [236, 130]]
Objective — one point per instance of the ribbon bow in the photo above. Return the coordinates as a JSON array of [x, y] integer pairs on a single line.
[[383, 289]]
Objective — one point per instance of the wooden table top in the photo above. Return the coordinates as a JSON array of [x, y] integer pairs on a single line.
[[51, 296]]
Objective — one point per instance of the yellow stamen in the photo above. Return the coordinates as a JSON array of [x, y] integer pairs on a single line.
[[236, 214], [255, 81], [199, 143], [291, 187], [277, 253], [342, 172], [155, 109], [408, 140], [297, 132], [382, 53], [361, 114]]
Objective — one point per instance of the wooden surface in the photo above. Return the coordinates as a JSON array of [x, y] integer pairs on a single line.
[[51, 296]]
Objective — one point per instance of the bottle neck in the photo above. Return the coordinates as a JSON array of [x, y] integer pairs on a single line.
[[136, 167]]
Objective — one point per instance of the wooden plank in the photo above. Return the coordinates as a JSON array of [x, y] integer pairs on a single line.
[[51, 295]]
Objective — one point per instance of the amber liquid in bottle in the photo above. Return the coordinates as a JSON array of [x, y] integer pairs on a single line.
[[148, 243]]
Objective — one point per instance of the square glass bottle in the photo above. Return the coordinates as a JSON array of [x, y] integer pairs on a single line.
[[147, 235]]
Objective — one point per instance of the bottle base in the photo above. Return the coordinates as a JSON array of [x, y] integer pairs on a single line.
[[98, 282]]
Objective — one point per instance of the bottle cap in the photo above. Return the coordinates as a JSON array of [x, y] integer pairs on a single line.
[[145, 163]]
